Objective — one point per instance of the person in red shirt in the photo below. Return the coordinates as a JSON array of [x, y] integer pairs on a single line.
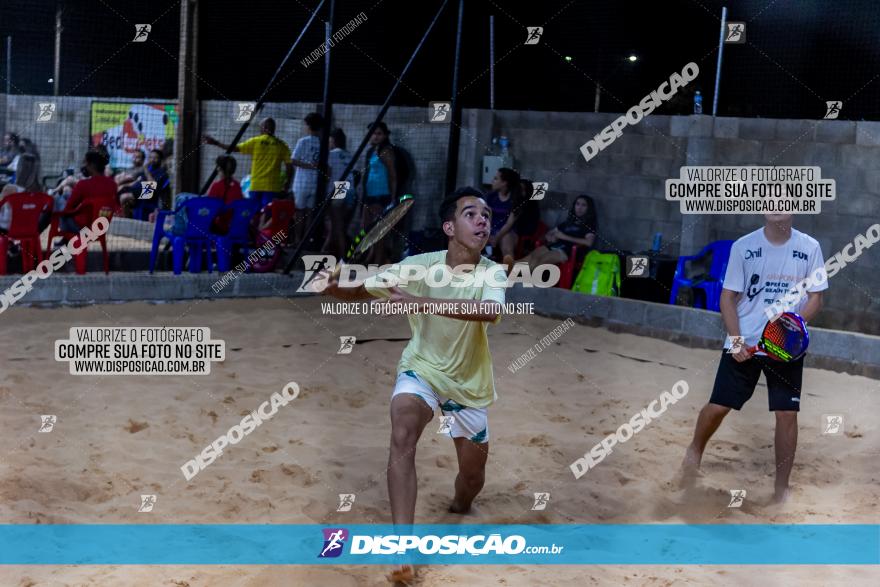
[[228, 189], [95, 186]]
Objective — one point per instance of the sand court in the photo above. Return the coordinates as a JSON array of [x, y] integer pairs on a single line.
[[118, 437]]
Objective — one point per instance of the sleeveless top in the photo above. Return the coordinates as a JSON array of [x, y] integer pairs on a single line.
[[377, 179]]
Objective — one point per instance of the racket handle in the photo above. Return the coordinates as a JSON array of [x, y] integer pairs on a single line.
[[751, 349], [336, 271]]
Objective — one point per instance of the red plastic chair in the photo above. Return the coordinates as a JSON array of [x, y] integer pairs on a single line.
[[24, 228], [85, 214], [567, 270], [282, 213]]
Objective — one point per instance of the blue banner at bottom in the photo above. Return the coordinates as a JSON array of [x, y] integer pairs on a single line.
[[277, 544]]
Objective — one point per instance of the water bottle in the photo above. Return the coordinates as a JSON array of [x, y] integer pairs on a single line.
[[658, 237], [504, 143], [698, 103]]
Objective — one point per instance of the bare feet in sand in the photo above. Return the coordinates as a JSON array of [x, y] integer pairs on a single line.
[[690, 469], [403, 574], [781, 495], [457, 508]]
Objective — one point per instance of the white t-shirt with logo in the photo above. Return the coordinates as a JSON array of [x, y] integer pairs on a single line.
[[337, 161], [763, 272], [307, 149]]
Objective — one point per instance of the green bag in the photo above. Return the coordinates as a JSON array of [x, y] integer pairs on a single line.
[[600, 275]]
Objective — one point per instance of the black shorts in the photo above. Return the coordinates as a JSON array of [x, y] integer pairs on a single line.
[[735, 382]]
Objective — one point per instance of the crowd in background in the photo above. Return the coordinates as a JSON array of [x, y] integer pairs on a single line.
[[277, 173]]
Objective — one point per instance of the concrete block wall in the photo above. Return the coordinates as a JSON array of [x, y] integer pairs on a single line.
[[626, 179], [68, 136], [410, 129]]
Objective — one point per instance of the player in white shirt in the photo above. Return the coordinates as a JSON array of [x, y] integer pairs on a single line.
[[305, 182], [341, 208], [764, 265]]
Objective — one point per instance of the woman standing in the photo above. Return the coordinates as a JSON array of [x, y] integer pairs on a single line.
[[380, 184]]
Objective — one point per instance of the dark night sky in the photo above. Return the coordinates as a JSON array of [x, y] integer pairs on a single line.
[[798, 55]]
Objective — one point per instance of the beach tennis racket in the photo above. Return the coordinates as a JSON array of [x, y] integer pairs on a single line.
[[785, 339], [372, 234], [376, 231]]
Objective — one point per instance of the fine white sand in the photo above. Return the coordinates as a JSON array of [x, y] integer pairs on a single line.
[[120, 436]]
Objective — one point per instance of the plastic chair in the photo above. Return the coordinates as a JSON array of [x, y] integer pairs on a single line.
[[26, 208], [243, 213], [282, 213], [200, 213], [86, 212], [567, 270], [531, 239], [711, 283]]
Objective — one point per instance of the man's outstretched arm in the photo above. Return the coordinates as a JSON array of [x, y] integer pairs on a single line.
[[468, 310]]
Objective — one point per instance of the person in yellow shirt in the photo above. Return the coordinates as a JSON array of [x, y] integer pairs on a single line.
[[446, 368], [268, 154]]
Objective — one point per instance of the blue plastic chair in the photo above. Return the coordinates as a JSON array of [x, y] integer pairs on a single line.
[[243, 212], [710, 284], [196, 234]]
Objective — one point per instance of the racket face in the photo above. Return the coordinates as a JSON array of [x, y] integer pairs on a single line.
[[381, 226], [786, 338]]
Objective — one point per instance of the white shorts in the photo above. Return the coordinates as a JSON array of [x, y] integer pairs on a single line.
[[466, 422], [304, 199]]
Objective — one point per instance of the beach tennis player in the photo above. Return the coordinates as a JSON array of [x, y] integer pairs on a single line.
[[764, 265], [446, 368]]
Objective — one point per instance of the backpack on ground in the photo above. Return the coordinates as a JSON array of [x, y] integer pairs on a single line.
[[600, 275]]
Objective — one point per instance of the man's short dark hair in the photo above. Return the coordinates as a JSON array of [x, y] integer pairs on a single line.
[[314, 120], [96, 159], [450, 203]]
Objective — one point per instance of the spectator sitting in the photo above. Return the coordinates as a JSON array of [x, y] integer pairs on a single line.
[[342, 209], [102, 149], [27, 172], [10, 149], [505, 198], [527, 212], [579, 228], [96, 185], [226, 188], [155, 171], [134, 173]]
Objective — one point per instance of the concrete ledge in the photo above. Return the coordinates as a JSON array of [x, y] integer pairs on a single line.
[[69, 288], [848, 352]]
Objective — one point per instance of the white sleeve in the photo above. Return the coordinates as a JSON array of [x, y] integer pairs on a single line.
[[299, 150], [734, 279], [817, 261]]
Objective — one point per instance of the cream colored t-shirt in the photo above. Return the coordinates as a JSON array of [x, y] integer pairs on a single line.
[[452, 355]]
